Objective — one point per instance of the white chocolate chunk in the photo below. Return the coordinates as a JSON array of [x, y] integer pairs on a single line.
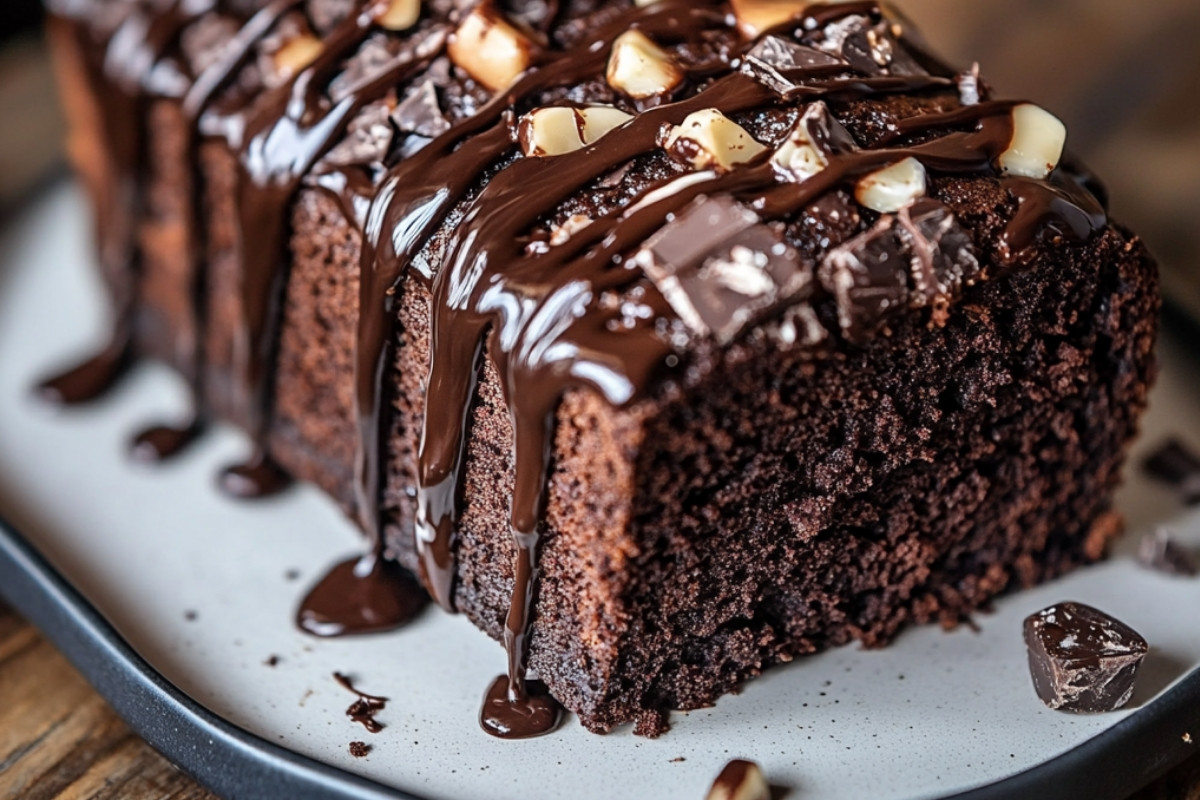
[[707, 139], [740, 780], [892, 188], [555, 130], [798, 159], [492, 51], [1037, 143], [398, 15], [640, 68], [296, 54]]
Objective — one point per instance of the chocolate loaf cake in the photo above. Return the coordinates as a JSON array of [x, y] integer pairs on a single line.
[[666, 341]]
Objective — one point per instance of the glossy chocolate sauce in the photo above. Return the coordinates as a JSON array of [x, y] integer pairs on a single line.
[[538, 314], [361, 595]]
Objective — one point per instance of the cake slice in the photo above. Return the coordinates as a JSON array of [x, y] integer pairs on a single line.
[[665, 342]]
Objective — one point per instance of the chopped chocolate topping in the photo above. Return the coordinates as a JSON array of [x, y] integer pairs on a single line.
[[369, 137], [1159, 551], [359, 749], [719, 268], [921, 257], [782, 64], [420, 112], [868, 277], [1081, 659], [943, 258]]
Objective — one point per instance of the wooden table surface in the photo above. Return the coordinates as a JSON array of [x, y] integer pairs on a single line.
[[59, 739]]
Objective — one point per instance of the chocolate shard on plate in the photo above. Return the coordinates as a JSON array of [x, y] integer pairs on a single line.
[[1176, 464], [1082, 659], [779, 63], [1160, 552], [720, 268]]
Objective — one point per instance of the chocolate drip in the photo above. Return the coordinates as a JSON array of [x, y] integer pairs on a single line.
[[523, 715], [116, 70], [161, 442], [281, 139], [362, 595]]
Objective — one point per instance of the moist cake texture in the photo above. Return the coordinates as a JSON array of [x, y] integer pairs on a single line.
[[667, 342]]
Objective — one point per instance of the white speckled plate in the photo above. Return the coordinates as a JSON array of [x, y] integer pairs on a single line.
[[937, 713]]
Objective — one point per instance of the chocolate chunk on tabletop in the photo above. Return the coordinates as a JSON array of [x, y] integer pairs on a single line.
[[1081, 659], [721, 269]]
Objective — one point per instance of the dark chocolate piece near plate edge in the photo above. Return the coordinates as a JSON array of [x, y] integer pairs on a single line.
[[638, 360], [1176, 464], [1161, 552], [1081, 659]]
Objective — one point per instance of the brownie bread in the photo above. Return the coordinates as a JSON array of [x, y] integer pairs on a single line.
[[665, 342]]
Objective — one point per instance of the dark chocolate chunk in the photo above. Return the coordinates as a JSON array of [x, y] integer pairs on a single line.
[[359, 749], [326, 14], [1159, 551], [368, 138], [1081, 659], [921, 257], [1176, 464], [420, 112], [720, 268], [868, 277], [780, 63], [943, 255], [870, 48]]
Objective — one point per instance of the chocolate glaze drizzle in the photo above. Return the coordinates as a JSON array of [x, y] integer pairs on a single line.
[[537, 313]]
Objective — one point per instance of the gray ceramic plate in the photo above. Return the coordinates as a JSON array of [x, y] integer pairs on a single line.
[[112, 561]]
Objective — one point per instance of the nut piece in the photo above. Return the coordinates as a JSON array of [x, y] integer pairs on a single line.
[[492, 51], [295, 55], [1037, 143], [740, 780], [398, 15], [707, 139], [892, 188], [555, 130], [798, 158], [756, 16], [640, 68]]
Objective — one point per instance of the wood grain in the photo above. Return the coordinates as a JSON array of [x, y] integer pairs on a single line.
[[59, 739]]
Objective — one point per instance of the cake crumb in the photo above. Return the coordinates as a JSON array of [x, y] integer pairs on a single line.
[[272, 661], [677, 760], [651, 723], [359, 749]]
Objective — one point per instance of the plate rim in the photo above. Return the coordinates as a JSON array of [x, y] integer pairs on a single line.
[[232, 762]]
